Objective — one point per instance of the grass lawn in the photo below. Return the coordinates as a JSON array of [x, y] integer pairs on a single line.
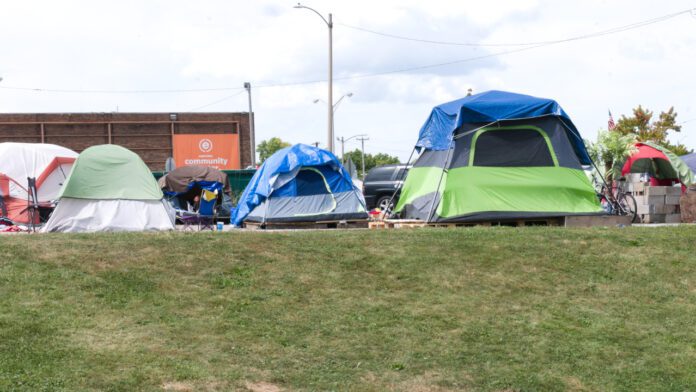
[[479, 309]]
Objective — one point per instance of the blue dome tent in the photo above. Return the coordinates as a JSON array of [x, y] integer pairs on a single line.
[[300, 184]]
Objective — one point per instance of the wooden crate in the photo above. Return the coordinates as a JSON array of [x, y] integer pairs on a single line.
[[414, 223], [352, 224]]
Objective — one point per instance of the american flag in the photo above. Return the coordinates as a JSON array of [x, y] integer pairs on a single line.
[[611, 124]]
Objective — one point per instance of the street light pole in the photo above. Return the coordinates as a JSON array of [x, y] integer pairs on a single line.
[[343, 149], [329, 24], [252, 136], [343, 144], [331, 111]]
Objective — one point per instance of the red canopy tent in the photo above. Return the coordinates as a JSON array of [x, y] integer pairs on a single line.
[[652, 161]]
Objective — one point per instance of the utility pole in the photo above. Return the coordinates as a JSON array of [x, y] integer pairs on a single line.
[[329, 24], [343, 140], [343, 145], [362, 148], [252, 136]]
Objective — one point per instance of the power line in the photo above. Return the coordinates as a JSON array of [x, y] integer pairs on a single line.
[[575, 38], [215, 102], [525, 47], [78, 91]]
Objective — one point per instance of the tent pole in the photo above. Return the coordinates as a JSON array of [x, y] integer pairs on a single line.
[[399, 181], [444, 168]]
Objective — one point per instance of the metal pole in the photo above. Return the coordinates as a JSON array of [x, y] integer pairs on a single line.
[[252, 136], [343, 150], [362, 148], [330, 102]]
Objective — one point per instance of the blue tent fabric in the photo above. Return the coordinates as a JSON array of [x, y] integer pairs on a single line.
[[288, 160], [314, 183], [489, 107], [690, 160]]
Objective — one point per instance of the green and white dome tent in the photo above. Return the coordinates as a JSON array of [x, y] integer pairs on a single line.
[[110, 189]]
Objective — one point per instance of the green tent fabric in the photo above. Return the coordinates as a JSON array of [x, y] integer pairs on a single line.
[[520, 168], [684, 173], [107, 172]]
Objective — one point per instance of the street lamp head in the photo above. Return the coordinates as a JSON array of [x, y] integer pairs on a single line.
[[317, 100], [297, 6], [349, 95]]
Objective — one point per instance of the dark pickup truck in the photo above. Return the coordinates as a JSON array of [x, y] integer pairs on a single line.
[[381, 182]]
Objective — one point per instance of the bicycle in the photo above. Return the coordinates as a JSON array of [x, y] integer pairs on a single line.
[[618, 202]]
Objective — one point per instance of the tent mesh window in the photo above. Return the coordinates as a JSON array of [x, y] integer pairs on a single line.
[[512, 148], [310, 182]]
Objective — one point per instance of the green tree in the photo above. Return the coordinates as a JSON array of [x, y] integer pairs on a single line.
[[642, 125], [267, 147], [612, 149], [371, 160]]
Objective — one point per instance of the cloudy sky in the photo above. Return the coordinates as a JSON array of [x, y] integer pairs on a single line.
[[103, 56]]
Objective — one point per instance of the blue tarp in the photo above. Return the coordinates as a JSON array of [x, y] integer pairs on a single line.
[[489, 107], [690, 160], [289, 160]]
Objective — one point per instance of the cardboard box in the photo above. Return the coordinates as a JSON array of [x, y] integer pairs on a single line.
[[687, 206]]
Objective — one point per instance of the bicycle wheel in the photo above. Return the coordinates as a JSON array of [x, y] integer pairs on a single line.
[[628, 206]]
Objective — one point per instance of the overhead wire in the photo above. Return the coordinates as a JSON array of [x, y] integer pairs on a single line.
[[521, 47], [215, 102], [569, 39]]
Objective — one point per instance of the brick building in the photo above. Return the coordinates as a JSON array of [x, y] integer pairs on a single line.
[[150, 135]]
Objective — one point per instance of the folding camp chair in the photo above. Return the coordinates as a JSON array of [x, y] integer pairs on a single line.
[[205, 215]]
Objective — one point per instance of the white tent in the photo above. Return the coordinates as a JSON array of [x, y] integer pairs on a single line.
[[48, 164], [110, 189]]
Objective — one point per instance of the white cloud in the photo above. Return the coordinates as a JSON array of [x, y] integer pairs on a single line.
[[135, 45]]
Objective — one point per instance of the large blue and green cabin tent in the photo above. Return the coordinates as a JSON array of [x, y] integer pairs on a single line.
[[498, 156]]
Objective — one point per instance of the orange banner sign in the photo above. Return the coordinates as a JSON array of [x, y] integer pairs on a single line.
[[220, 151]]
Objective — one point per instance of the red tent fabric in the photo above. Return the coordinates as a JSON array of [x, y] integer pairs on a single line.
[[644, 152], [648, 152]]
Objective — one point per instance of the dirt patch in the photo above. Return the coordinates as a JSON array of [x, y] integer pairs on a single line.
[[261, 387], [574, 384], [177, 386]]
